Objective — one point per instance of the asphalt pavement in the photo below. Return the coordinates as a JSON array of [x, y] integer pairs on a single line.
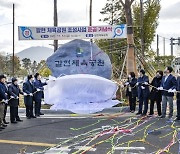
[[113, 130]]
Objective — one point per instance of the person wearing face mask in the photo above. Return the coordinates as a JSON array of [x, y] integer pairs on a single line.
[[39, 94], [131, 91], [28, 89], [168, 87], [14, 92], [155, 95], [143, 92]]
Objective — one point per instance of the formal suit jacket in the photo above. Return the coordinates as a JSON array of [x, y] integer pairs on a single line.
[[3, 92], [38, 85], [132, 86], [169, 83], [28, 88], [178, 87], [14, 91], [156, 95], [143, 92]]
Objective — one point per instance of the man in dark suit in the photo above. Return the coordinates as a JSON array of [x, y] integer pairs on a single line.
[[168, 86], [5, 89], [178, 99], [3, 101], [14, 92], [143, 92], [28, 89], [39, 94]]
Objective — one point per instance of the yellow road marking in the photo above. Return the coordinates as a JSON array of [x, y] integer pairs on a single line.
[[27, 143]]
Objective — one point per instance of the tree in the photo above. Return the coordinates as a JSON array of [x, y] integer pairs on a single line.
[[45, 72], [34, 67], [119, 16], [27, 64], [9, 65]]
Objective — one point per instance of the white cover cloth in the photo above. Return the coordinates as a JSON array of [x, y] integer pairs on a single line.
[[80, 93]]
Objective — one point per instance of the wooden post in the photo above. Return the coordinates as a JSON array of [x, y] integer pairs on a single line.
[[55, 24], [13, 39]]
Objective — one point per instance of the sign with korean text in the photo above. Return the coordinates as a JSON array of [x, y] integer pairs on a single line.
[[75, 57], [75, 32]]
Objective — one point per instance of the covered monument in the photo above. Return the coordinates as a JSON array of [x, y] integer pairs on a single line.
[[80, 82]]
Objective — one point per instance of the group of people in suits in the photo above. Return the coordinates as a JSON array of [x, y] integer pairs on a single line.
[[9, 96], [160, 90]]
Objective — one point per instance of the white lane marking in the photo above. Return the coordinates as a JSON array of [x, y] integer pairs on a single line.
[[56, 117], [85, 148], [129, 148]]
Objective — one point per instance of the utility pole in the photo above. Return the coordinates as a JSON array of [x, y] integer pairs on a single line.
[[172, 39], [164, 46], [157, 49], [112, 22], [55, 24], [90, 16], [142, 26], [13, 37]]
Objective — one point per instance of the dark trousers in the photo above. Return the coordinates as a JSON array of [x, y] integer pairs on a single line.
[[158, 103], [178, 108], [14, 114], [143, 101], [29, 110], [37, 107], [132, 102], [5, 111]]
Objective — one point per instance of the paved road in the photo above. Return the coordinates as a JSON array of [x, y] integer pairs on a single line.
[[106, 132]]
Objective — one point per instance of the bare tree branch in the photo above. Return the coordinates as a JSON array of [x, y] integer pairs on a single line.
[[132, 1], [123, 4]]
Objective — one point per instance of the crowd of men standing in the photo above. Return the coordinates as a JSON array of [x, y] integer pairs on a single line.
[[160, 91], [9, 96]]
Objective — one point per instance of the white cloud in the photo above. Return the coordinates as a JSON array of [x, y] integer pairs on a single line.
[[171, 12], [70, 12]]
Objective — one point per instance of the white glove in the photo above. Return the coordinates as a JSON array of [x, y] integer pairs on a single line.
[[12, 96], [145, 83], [38, 89], [31, 94], [142, 87], [137, 83], [17, 97], [160, 88], [170, 91], [24, 94], [174, 90], [127, 83], [6, 101]]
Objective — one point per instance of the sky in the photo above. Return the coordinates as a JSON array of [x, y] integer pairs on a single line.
[[72, 13]]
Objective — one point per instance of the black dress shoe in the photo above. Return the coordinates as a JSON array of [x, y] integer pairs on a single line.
[[28, 117], [33, 117], [37, 115], [41, 113], [162, 116], [138, 113], [19, 120], [5, 122], [13, 122], [4, 125]]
